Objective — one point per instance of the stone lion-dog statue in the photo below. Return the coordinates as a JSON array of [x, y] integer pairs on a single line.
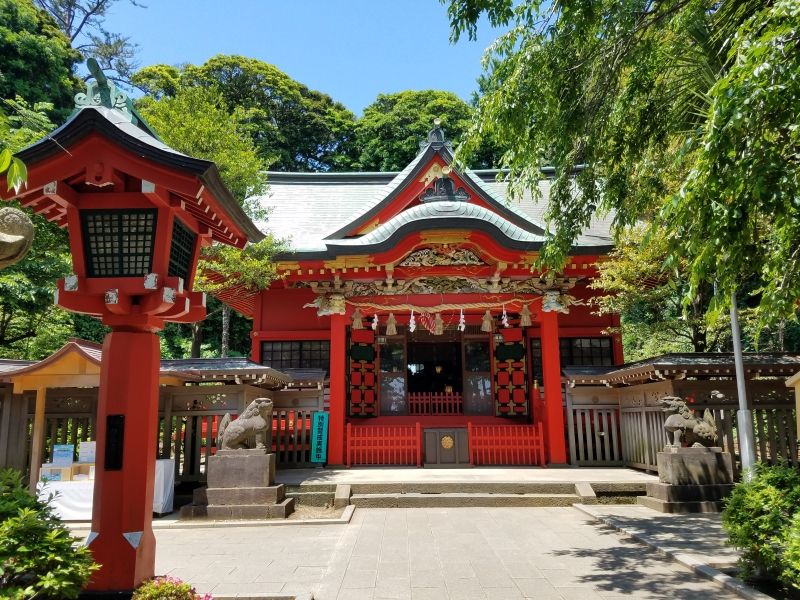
[[254, 423], [684, 425]]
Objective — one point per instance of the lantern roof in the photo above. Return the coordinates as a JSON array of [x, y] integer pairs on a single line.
[[106, 111]]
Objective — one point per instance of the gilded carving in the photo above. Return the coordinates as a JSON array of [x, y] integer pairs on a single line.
[[441, 256]]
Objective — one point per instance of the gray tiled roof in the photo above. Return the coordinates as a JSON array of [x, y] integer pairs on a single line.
[[306, 208], [453, 212]]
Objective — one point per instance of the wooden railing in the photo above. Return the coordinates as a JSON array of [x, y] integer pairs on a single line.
[[774, 428], [435, 403], [506, 444], [291, 437], [384, 445], [594, 435]]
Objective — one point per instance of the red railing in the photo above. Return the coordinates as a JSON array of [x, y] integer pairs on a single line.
[[383, 445], [435, 403], [505, 444]]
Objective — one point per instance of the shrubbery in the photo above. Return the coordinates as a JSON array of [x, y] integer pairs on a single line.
[[168, 588], [37, 553], [762, 518]]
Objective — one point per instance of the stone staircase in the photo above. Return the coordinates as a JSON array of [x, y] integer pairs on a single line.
[[466, 494]]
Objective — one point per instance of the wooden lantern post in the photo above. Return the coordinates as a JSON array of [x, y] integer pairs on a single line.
[[137, 213]]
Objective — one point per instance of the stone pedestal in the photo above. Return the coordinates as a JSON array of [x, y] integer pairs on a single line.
[[691, 480], [241, 485]]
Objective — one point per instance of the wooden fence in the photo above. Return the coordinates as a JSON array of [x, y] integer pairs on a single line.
[[594, 435], [383, 445], [774, 427], [506, 444], [435, 403], [291, 437]]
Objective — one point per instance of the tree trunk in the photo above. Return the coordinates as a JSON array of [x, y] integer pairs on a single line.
[[226, 330], [197, 338]]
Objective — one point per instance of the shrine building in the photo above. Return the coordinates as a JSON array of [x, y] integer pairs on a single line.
[[415, 292]]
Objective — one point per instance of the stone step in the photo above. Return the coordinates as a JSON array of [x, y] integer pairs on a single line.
[[219, 512], [460, 499], [472, 487], [312, 498], [243, 495]]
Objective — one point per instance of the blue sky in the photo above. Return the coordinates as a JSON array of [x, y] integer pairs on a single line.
[[350, 49]]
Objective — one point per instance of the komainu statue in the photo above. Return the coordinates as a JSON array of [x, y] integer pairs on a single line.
[[254, 422], [684, 425], [16, 236]]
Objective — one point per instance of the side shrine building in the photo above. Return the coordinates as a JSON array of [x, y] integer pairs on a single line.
[[415, 292]]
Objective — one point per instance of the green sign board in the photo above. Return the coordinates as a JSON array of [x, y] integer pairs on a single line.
[[319, 437]]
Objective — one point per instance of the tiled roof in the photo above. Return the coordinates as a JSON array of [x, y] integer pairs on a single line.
[[189, 369], [452, 212], [701, 365], [307, 208]]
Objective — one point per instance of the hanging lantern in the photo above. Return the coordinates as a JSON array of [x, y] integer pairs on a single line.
[[488, 323], [525, 316], [504, 318], [375, 322], [438, 325], [391, 325], [412, 322], [462, 323], [357, 324]]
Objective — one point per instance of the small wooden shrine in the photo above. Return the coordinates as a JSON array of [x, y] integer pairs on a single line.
[[416, 292]]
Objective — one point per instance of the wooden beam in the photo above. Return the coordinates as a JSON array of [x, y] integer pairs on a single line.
[[37, 445]]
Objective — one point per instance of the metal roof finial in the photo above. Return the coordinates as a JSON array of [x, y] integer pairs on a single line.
[[103, 92]]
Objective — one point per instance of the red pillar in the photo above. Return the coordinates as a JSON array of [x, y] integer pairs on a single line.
[[551, 380], [122, 535], [338, 381]]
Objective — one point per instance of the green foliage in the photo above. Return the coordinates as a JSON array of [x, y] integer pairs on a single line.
[[36, 60], [38, 556], [681, 113], [167, 588], [760, 518], [791, 556], [387, 137], [82, 21], [198, 122], [738, 211], [251, 269], [294, 128]]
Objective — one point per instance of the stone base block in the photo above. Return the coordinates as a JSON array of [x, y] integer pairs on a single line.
[[680, 507], [667, 498], [694, 466], [241, 468], [242, 511], [689, 493], [243, 495]]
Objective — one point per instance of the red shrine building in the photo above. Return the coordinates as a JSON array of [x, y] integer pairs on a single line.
[[416, 292]]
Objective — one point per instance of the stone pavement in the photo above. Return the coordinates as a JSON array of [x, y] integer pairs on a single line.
[[431, 553], [480, 475]]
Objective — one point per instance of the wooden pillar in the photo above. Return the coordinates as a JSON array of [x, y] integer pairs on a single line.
[[797, 407], [551, 380], [37, 442], [338, 398], [122, 537]]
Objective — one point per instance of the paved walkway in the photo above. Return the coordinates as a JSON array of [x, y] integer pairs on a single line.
[[427, 553], [479, 474]]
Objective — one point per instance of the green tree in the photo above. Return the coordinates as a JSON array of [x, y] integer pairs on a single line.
[[387, 137], [196, 120], [82, 21], [682, 113], [36, 60], [294, 128]]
